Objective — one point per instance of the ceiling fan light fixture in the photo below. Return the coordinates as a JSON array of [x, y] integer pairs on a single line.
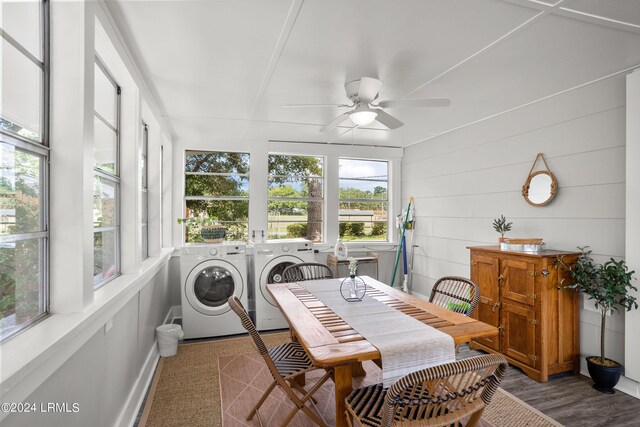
[[363, 117]]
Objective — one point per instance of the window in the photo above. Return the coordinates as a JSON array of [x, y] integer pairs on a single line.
[[24, 157], [363, 199], [106, 159], [217, 186], [295, 197], [144, 163]]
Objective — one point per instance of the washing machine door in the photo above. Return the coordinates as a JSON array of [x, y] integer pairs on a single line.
[[272, 273], [210, 284]]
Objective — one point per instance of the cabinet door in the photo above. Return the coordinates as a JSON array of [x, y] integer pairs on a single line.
[[519, 333], [518, 281], [485, 272]]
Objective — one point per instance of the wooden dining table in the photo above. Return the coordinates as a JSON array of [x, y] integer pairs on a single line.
[[331, 343]]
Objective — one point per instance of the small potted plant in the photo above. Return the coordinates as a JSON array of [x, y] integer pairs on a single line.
[[608, 285], [211, 231], [501, 226]]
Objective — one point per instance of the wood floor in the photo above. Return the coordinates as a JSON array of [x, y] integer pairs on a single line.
[[569, 399]]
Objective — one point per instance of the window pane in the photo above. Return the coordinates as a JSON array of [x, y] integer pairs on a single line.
[[357, 189], [234, 231], [363, 169], [213, 162], [295, 187], [224, 210], [213, 185], [363, 221], [21, 19], [20, 191], [104, 256], [302, 166], [105, 148], [285, 210], [104, 202], [22, 296], [106, 97], [21, 99], [295, 229]]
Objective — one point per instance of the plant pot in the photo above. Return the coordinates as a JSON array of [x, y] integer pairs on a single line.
[[213, 233], [604, 377], [501, 239]]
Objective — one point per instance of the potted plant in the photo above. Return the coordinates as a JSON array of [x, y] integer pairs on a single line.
[[211, 231], [608, 285], [501, 226]]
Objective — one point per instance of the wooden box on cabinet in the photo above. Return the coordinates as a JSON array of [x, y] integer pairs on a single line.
[[538, 322]]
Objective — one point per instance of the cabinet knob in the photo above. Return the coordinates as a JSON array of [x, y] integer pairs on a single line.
[[495, 307], [545, 273], [501, 278], [500, 329], [533, 273]]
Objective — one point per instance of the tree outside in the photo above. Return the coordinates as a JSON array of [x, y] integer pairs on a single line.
[[20, 275]]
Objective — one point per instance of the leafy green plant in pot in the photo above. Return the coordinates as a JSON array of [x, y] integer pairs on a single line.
[[501, 226], [608, 285], [210, 230]]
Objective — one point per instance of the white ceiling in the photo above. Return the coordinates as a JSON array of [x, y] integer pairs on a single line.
[[223, 69]]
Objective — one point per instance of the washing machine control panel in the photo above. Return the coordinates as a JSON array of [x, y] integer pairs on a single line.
[[213, 252], [285, 248]]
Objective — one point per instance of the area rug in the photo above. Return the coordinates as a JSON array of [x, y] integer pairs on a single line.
[[216, 383]]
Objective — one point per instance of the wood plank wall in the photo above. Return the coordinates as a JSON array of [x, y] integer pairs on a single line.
[[463, 179]]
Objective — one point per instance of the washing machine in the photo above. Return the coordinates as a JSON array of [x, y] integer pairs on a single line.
[[268, 262], [210, 274]]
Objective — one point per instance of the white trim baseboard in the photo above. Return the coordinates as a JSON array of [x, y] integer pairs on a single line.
[[129, 413]]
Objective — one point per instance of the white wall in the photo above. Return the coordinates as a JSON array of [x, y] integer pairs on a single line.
[[463, 179], [101, 375], [632, 318]]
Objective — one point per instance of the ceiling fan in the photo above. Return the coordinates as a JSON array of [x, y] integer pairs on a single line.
[[363, 93]]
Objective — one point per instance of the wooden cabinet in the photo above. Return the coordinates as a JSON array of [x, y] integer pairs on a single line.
[[538, 322]]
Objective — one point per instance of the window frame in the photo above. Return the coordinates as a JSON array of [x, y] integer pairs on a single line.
[[144, 189], [41, 149], [386, 201], [215, 198], [322, 200], [114, 178]]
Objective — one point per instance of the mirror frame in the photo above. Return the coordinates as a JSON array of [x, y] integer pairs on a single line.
[[527, 184]]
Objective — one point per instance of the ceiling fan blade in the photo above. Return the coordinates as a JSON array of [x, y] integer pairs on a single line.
[[388, 120], [335, 122], [315, 105], [416, 103], [369, 88]]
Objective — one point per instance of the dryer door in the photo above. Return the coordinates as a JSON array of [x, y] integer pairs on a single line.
[[272, 273], [210, 284]]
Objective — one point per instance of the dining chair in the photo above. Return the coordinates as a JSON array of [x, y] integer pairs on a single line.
[[442, 395], [456, 294], [306, 271], [285, 362]]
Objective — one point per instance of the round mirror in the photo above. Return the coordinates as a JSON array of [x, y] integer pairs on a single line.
[[540, 188]]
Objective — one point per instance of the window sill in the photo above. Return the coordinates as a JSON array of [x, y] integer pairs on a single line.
[[28, 359], [359, 246]]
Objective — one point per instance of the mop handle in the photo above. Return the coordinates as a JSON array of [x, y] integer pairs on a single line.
[[404, 227]]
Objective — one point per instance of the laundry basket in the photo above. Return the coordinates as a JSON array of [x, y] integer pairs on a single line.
[[168, 337]]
